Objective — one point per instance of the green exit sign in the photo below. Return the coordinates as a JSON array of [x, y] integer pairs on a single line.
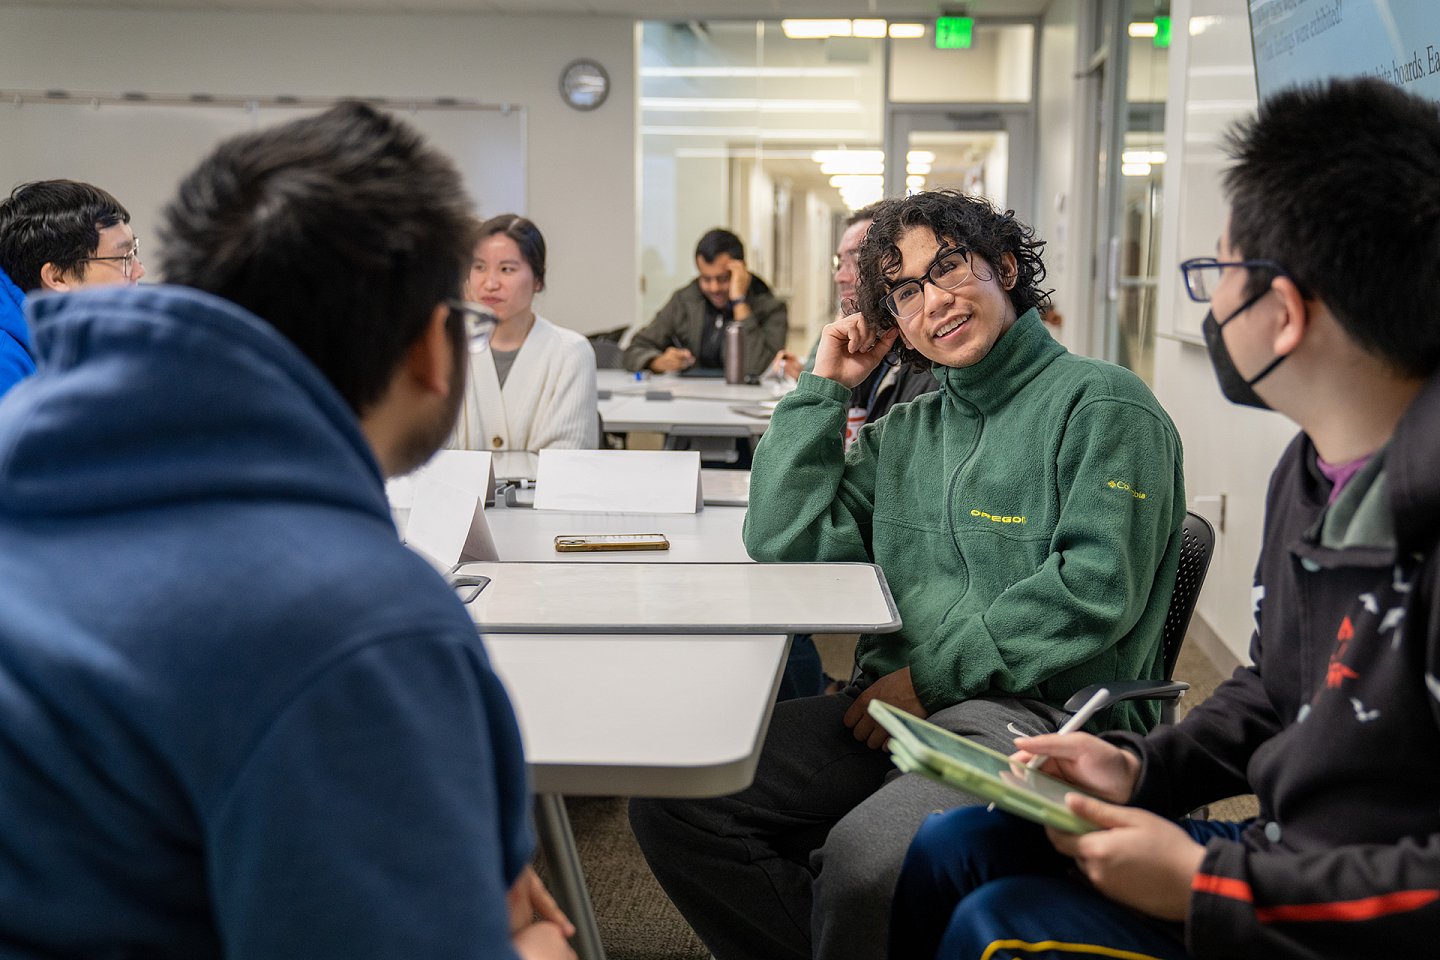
[[1162, 32], [954, 33]]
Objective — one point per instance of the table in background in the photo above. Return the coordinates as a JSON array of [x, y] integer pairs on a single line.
[[713, 534], [621, 383]]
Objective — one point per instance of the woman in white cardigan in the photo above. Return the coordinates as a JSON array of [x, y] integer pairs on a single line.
[[533, 385]]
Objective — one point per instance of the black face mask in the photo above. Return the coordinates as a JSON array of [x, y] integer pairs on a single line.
[[1232, 383]]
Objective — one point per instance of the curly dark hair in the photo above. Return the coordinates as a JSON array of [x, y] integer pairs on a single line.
[[958, 220]]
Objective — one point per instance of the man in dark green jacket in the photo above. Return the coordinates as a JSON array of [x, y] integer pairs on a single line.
[[1027, 517], [689, 331]]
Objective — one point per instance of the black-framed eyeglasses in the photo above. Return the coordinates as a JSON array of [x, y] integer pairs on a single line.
[[948, 270], [127, 262], [479, 322], [1202, 274]]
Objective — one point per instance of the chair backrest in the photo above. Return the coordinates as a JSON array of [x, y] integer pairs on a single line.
[[1195, 550], [607, 353]]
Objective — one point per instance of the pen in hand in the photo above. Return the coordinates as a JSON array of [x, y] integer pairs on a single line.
[[1101, 698]]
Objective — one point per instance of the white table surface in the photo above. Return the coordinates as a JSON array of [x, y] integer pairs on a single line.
[[689, 417], [713, 534], [692, 598], [658, 716], [621, 383]]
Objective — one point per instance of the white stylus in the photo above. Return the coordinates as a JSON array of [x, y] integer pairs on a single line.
[[1102, 697]]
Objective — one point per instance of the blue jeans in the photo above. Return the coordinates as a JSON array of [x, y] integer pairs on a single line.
[[803, 675], [977, 880]]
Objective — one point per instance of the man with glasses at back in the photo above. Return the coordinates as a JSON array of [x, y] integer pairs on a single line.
[[1027, 517], [57, 235]]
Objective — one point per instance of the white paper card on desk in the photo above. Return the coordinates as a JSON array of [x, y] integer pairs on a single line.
[[726, 488], [472, 470], [447, 522], [619, 481]]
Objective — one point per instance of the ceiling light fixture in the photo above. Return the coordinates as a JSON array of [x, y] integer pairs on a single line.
[[815, 29], [1135, 169], [868, 28], [1143, 30], [907, 31]]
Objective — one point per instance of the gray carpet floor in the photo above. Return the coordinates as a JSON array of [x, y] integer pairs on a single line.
[[638, 922]]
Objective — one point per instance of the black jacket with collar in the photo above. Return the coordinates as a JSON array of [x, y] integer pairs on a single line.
[[1336, 728], [683, 316]]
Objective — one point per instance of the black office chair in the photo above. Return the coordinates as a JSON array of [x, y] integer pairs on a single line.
[[1195, 550]]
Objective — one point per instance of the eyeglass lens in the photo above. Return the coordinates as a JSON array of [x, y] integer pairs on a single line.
[[947, 273]]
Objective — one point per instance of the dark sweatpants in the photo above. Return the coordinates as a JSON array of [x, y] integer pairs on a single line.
[[985, 883], [804, 861]]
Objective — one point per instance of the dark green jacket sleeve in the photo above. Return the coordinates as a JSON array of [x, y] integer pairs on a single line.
[[1112, 560], [808, 501]]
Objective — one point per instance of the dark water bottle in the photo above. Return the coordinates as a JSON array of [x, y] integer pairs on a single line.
[[734, 353]]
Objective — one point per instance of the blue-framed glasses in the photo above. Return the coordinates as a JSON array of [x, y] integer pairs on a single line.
[[1202, 274]]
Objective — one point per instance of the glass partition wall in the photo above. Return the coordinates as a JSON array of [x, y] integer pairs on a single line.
[[779, 137], [775, 138]]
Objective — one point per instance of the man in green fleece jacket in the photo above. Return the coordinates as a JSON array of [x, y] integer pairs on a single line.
[[1027, 517]]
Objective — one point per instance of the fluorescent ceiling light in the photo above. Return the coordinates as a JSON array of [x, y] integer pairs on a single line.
[[1143, 29], [1199, 25], [856, 180], [907, 31], [915, 182], [748, 105], [859, 156], [815, 29], [1135, 169], [851, 166], [1143, 156], [755, 133], [920, 156], [749, 71], [917, 168], [868, 28]]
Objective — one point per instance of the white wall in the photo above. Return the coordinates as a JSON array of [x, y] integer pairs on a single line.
[[1229, 450], [1055, 192], [581, 166]]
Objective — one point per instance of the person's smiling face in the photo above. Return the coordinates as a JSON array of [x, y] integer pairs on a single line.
[[959, 327], [501, 278]]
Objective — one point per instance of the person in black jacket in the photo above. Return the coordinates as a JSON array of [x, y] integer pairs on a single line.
[[1323, 308]]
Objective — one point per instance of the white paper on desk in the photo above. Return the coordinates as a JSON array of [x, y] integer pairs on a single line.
[[619, 481], [447, 523], [472, 470]]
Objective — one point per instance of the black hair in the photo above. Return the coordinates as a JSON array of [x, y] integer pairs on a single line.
[[527, 237], [719, 241], [343, 230], [53, 221], [1339, 183], [957, 220]]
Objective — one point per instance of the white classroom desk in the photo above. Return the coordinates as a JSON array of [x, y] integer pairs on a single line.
[[696, 731], [568, 596], [690, 418], [622, 384], [713, 534]]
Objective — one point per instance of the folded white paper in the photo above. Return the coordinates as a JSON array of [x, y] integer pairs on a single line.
[[619, 481], [440, 507]]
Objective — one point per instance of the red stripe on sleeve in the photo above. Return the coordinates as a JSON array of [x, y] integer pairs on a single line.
[[1365, 909], [1221, 887]]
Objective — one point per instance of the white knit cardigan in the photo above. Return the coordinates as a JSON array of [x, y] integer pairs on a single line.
[[548, 399]]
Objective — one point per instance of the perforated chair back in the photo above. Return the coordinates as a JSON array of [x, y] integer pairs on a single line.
[[1195, 550]]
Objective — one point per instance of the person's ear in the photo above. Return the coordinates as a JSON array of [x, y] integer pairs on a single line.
[[430, 359], [1294, 316], [53, 278], [1009, 270]]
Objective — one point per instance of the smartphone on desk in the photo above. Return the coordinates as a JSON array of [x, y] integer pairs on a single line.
[[579, 543]]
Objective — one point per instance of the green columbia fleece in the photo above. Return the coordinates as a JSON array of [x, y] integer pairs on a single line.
[[1027, 516]]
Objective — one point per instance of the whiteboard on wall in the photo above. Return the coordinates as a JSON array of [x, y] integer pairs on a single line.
[[1299, 41], [140, 151]]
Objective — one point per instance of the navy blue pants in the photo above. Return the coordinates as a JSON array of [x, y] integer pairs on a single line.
[[985, 884], [804, 676]]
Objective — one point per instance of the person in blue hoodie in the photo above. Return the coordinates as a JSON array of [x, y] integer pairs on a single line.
[[237, 717], [51, 233]]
